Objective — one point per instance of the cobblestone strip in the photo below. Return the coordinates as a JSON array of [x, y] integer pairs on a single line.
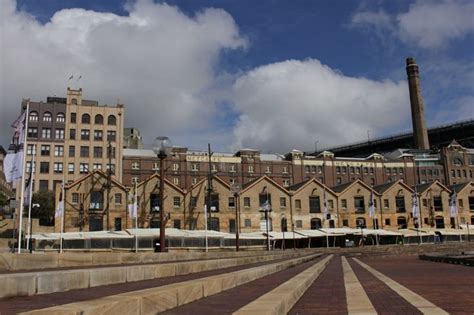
[[357, 300], [423, 305]]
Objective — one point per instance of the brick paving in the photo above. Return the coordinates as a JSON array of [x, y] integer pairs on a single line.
[[383, 298], [450, 287], [327, 295], [231, 300], [20, 304]]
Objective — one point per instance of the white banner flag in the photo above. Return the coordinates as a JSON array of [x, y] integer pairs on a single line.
[[453, 207], [60, 207], [415, 210], [13, 166], [372, 205]]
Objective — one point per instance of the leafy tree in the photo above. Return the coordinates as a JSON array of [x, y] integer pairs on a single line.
[[3, 199], [45, 211]]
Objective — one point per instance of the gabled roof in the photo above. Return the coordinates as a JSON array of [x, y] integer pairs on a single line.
[[214, 177], [99, 172], [459, 187], [343, 187], [420, 188], [297, 187], [264, 177], [166, 181], [384, 187]]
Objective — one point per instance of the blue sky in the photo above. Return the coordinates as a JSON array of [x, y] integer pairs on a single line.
[[273, 75]]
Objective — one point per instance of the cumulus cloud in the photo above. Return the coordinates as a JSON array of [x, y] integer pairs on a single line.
[[428, 25], [295, 103], [156, 60]]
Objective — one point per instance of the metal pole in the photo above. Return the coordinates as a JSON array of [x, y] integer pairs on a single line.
[[162, 156], [109, 184], [23, 163], [135, 210], [33, 161], [268, 237], [468, 234], [237, 222], [62, 218]]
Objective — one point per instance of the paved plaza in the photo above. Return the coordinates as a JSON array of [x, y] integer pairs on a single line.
[[294, 282]]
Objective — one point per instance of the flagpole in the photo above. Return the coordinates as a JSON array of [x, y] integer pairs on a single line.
[[325, 216], [30, 193], [23, 163], [205, 226], [135, 212], [62, 217]]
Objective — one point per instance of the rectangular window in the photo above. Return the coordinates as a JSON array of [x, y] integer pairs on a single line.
[[298, 204], [214, 168], [299, 224], [438, 204], [194, 167], [345, 222], [118, 199], [33, 132], [85, 134], [176, 202], [175, 166], [43, 185], [359, 204], [250, 168], [194, 180], [111, 152], [231, 203], [46, 133], [286, 183], [98, 152], [314, 204], [44, 167], [344, 203], [400, 204], [72, 134], [387, 222], [30, 167], [59, 134], [247, 202], [75, 198], [268, 169], [263, 198], [97, 200], [58, 150], [232, 168], [72, 151], [214, 204], [471, 203], [45, 150], [135, 165], [282, 202], [96, 166], [330, 204], [193, 202], [111, 135], [386, 203], [98, 135], [111, 167], [84, 151], [58, 168], [247, 223], [176, 180], [83, 168], [177, 224], [31, 149], [73, 118], [155, 166], [284, 170], [70, 168]]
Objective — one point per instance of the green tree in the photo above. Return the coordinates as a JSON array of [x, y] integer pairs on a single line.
[[45, 211], [3, 200]]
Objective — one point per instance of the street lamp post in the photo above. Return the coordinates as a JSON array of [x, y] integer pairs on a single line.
[[162, 148], [236, 189], [266, 208], [35, 205]]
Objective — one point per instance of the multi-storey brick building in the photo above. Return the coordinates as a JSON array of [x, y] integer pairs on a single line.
[[68, 137]]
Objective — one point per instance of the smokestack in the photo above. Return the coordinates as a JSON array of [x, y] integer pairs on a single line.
[[420, 132]]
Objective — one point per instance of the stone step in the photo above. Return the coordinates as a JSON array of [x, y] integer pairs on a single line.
[[155, 300], [32, 283]]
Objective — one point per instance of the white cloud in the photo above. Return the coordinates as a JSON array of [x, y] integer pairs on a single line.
[[157, 60], [295, 103], [435, 24], [426, 24]]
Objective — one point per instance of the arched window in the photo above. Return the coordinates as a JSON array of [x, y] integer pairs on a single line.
[[315, 223], [402, 222], [360, 222], [74, 101], [99, 119], [60, 117], [86, 119], [47, 116], [111, 120], [457, 161], [33, 116]]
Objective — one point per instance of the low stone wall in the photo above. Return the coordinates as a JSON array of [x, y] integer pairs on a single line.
[[388, 250], [39, 260]]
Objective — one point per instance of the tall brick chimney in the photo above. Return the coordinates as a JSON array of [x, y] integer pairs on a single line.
[[420, 132]]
